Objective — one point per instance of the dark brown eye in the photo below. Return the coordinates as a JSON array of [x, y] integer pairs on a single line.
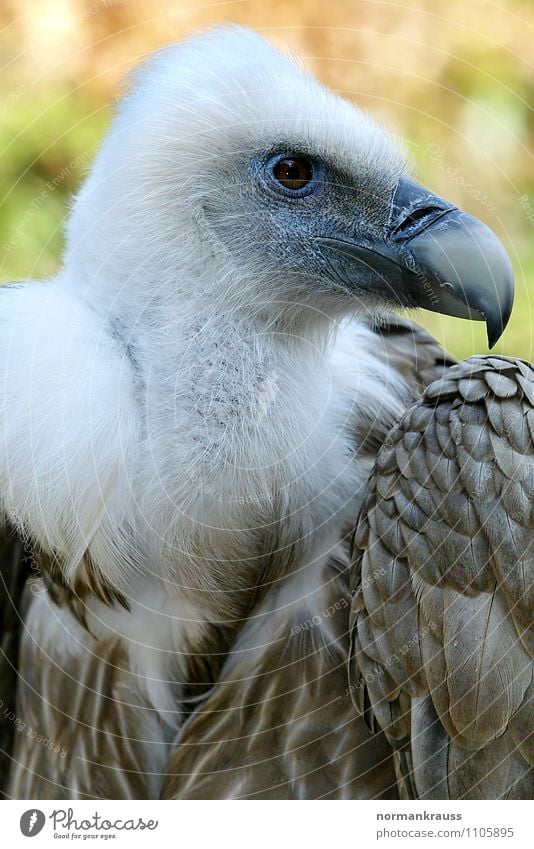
[[292, 173]]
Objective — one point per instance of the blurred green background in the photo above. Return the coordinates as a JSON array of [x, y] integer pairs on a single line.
[[453, 78]]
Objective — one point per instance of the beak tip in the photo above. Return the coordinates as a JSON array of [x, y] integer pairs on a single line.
[[494, 335], [467, 254], [497, 319], [495, 328]]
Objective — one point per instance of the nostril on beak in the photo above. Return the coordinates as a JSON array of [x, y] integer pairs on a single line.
[[417, 221], [413, 209], [416, 215]]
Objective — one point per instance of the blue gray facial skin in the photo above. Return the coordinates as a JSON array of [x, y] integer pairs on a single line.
[[402, 245]]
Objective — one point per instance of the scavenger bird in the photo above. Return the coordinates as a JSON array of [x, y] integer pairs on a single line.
[[189, 416]]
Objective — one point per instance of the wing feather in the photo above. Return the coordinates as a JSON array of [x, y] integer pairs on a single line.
[[443, 580]]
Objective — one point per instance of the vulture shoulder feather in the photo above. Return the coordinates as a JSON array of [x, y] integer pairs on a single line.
[[442, 579]]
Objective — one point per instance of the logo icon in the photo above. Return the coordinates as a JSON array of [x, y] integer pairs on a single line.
[[32, 822]]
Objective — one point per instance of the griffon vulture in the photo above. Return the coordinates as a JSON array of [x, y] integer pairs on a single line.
[[189, 416]]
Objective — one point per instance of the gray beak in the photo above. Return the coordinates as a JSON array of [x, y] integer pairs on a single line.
[[432, 255]]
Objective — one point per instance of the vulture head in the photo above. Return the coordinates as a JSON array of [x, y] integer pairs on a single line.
[[231, 177]]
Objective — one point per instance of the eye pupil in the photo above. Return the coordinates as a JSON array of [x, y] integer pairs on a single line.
[[293, 173]]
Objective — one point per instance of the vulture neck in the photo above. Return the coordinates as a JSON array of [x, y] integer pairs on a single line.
[[248, 471], [245, 434]]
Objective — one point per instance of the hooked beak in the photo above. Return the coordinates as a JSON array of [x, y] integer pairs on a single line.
[[433, 256]]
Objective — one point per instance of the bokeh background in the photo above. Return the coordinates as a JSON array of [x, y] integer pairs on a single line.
[[453, 78]]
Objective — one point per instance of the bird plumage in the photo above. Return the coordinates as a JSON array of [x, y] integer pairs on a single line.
[[442, 608], [160, 403], [189, 415]]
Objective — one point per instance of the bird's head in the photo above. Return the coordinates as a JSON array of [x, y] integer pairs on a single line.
[[231, 177]]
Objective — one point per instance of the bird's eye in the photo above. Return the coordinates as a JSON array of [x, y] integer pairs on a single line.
[[293, 173]]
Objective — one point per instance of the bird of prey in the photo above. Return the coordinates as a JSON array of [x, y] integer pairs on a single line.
[[190, 415]]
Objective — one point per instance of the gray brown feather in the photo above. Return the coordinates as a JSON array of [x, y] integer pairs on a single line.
[[443, 584], [279, 723]]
